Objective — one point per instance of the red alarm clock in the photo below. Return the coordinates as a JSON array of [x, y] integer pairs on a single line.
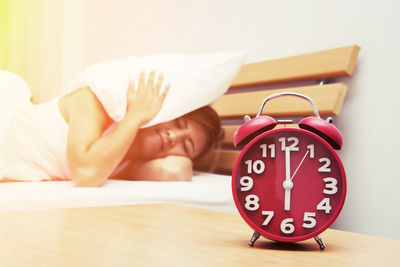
[[288, 184]]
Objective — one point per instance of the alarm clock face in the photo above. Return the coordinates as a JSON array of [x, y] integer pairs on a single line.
[[289, 184]]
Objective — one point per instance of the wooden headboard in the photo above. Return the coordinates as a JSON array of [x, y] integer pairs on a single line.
[[315, 72]]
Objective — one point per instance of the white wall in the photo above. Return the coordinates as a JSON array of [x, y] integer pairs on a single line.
[[270, 29]]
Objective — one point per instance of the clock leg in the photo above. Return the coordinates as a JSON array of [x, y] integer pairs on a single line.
[[321, 243], [254, 238]]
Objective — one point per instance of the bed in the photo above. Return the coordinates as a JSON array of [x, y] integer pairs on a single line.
[[313, 74]]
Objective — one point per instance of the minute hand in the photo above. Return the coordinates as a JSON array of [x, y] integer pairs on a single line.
[[287, 164], [287, 184]]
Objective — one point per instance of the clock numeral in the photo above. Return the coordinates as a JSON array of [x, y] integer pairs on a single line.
[[246, 182], [252, 202], [311, 149], [287, 226], [309, 220], [257, 166], [325, 166], [325, 205], [269, 215], [330, 186], [293, 146], [264, 150]]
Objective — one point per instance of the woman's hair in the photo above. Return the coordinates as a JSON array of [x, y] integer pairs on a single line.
[[208, 118]]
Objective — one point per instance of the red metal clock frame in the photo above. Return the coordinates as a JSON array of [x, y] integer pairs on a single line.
[[307, 186]]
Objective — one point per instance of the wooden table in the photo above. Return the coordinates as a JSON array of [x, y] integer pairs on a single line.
[[169, 235]]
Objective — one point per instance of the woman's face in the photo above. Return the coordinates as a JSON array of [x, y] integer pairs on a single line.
[[180, 137]]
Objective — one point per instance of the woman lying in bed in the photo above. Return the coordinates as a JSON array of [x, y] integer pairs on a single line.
[[98, 149]]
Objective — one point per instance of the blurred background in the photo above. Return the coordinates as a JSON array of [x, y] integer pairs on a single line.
[[49, 42]]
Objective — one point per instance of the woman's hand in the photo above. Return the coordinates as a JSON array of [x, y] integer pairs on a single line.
[[145, 102], [92, 156]]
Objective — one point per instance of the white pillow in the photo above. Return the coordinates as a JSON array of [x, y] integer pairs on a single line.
[[196, 80]]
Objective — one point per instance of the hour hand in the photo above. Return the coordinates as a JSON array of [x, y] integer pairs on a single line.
[[288, 185]]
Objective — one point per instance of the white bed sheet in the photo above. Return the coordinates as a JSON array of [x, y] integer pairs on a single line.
[[209, 191]]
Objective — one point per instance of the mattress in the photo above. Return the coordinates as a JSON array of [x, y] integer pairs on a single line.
[[207, 190]]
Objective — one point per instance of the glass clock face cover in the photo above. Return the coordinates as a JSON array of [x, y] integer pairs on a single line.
[[289, 184]]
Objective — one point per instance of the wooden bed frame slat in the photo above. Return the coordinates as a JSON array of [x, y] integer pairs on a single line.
[[329, 99], [338, 62]]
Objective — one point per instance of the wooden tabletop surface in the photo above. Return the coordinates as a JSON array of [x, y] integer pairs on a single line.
[[170, 235]]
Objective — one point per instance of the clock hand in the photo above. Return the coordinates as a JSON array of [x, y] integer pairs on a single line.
[[301, 162], [287, 197], [287, 163], [287, 184]]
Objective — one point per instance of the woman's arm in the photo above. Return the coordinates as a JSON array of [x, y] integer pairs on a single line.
[[170, 168], [91, 156]]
